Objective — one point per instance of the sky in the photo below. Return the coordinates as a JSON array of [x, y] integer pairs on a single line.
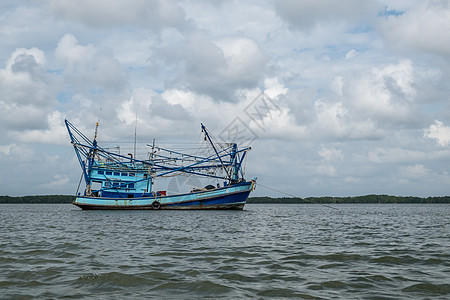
[[336, 98]]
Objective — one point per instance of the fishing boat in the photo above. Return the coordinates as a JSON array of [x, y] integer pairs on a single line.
[[116, 181]]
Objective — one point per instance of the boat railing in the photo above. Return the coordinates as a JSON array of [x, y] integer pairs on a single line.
[[120, 167]]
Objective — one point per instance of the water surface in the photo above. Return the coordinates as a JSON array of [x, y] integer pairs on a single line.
[[366, 251]]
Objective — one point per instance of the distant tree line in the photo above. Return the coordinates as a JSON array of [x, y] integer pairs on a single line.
[[38, 199], [357, 199], [284, 200]]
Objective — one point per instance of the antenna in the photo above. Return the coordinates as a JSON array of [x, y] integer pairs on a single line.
[[153, 149], [96, 128], [135, 127]]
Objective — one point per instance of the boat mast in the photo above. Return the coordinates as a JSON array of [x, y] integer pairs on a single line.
[[135, 127], [215, 150], [91, 161], [234, 163]]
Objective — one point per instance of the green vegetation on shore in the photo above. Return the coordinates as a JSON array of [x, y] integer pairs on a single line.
[[324, 200], [38, 199]]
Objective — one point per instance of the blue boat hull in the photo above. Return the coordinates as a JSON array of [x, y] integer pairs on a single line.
[[230, 197]]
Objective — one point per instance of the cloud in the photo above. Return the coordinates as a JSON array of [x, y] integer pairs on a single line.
[[362, 104], [301, 105], [326, 170], [245, 61], [16, 151], [58, 180], [152, 14], [424, 28], [73, 54], [89, 67], [148, 105], [307, 14], [439, 132], [391, 155], [335, 121], [39, 168], [6, 149], [24, 68], [54, 134], [356, 87], [416, 171], [350, 54], [24, 94], [385, 95], [217, 67], [330, 154]]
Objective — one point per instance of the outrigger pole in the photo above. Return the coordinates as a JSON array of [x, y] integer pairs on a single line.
[[86, 151], [215, 150]]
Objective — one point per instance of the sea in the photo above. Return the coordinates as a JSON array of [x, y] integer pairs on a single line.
[[266, 251]]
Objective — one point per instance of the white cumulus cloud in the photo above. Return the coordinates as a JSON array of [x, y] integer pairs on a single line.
[[439, 132], [425, 28]]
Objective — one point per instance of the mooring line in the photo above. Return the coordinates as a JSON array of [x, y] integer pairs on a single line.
[[275, 190]]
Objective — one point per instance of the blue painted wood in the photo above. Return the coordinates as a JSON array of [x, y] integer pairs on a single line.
[[123, 182], [233, 197]]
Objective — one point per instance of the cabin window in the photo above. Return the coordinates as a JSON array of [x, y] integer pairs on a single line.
[[116, 183], [116, 174], [124, 174], [108, 173], [131, 174], [100, 172], [131, 186]]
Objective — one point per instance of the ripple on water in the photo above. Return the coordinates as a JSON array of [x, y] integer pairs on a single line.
[[396, 260], [428, 288], [200, 288], [287, 251], [112, 280], [281, 293]]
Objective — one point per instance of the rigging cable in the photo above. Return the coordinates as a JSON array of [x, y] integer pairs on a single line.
[[79, 183], [296, 196]]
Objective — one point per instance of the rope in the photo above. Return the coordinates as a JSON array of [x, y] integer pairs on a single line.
[[275, 190], [79, 183]]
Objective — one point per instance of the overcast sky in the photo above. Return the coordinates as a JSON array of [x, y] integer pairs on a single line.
[[356, 94]]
